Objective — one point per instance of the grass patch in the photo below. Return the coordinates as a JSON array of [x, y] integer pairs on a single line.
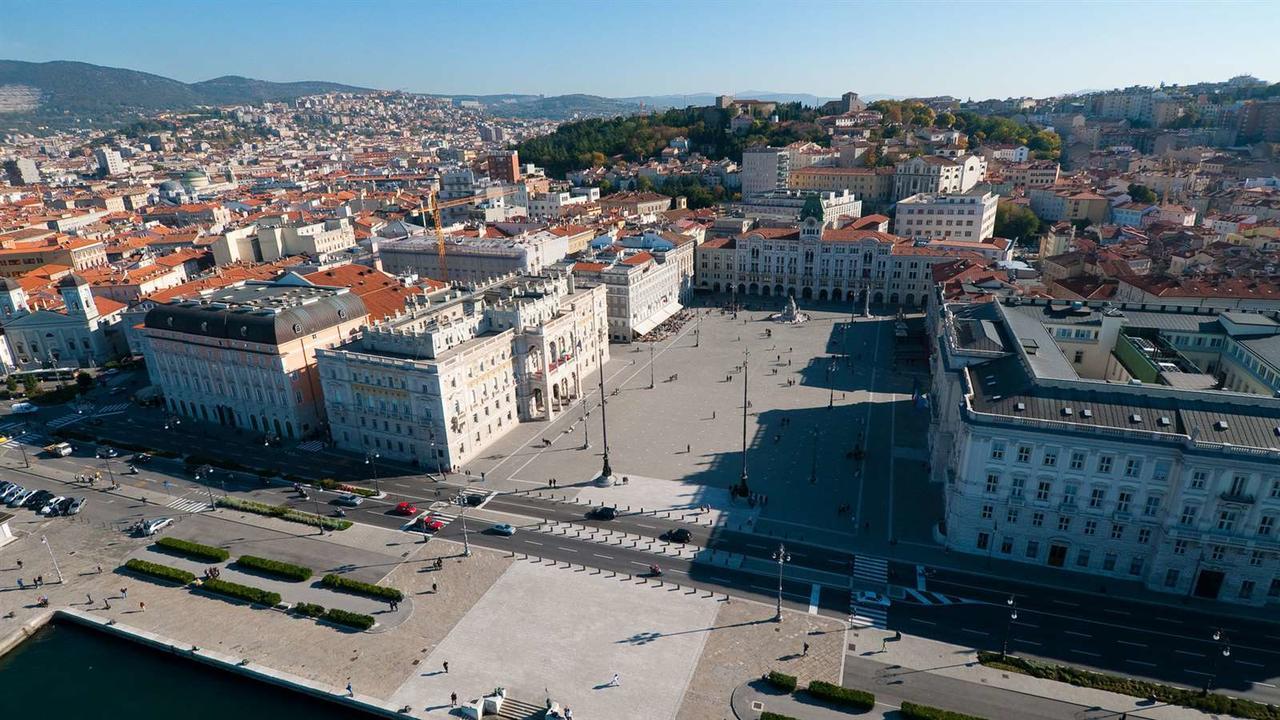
[[163, 572], [912, 711], [1213, 703], [241, 592], [283, 570], [194, 550], [350, 619], [345, 584], [847, 697], [284, 512]]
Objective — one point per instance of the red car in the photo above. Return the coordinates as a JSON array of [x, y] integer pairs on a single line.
[[428, 523], [406, 508]]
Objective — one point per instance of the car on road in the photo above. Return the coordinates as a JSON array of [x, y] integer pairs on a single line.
[[37, 500], [20, 497], [428, 523], [50, 506], [475, 500], [23, 408], [10, 492], [106, 451], [4, 486], [405, 508], [678, 535], [147, 528], [141, 458], [64, 507], [349, 500], [76, 506], [503, 529], [866, 597], [604, 512], [61, 449]]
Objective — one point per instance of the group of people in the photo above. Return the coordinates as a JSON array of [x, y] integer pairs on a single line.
[[212, 573], [667, 327]]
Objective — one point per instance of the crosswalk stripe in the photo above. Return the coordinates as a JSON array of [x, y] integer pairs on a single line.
[[189, 506]]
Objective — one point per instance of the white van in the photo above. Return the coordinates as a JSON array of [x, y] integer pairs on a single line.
[[61, 449], [23, 408]]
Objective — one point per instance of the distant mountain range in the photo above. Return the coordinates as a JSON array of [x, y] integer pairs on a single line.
[[66, 93]]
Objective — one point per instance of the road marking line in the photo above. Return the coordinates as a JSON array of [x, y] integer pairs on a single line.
[[1139, 662], [1077, 634], [813, 598], [1266, 684], [1027, 642], [533, 542], [1064, 602], [1131, 644], [1196, 672], [1188, 652], [568, 550], [606, 557], [1116, 612], [974, 632], [1086, 652], [1251, 664], [761, 587], [923, 622]]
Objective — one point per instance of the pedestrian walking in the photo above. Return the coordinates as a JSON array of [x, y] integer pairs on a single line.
[[433, 588], [142, 607], [99, 569], [615, 682], [453, 699], [805, 652], [19, 563], [88, 598], [39, 581], [124, 593], [568, 713], [350, 692], [713, 414], [688, 448], [106, 603], [446, 667], [21, 585]]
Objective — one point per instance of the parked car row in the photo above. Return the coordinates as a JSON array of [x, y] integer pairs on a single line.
[[40, 501]]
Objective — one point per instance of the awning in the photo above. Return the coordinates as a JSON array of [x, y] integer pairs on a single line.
[[657, 318]]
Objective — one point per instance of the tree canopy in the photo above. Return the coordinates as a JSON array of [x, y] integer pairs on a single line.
[[1141, 193], [1016, 222]]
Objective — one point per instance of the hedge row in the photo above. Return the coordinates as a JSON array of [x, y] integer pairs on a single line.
[[350, 619], [287, 571], [164, 572], [766, 715], [284, 512], [192, 549], [912, 711], [242, 592], [309, 609], [382, 592], [782, 681], [357, 490], [848, 697], [1219, 704]]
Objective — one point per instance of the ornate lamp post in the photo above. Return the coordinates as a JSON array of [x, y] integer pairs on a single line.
[[781, 557]]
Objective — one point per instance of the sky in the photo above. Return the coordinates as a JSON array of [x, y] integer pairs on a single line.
[[620, 48]]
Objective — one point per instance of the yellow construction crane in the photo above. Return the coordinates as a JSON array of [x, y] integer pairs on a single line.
[[435, 206]]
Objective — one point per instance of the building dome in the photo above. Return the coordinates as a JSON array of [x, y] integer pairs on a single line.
[[170, 186], [195, 179], [72, 280]]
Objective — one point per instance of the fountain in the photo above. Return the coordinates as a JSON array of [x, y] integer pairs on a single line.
[[791, 315]]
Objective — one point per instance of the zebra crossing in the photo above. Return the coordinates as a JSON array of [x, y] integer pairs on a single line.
[[866, 608], [113, 409], [65, 420], [928, 597], [871, 571], [189, 506], [311, 446], [868, 615]]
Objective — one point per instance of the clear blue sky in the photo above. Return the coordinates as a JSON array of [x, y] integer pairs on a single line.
[[620, 48]]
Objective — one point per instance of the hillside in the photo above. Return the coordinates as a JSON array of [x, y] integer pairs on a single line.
[[74, 91]]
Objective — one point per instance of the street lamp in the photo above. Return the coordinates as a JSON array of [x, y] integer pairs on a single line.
[[371, 458], [1224, 652], [1008, 628], [831, 366], [781, 557], [606, 472], [651, 365], [743, 489], [202, 475], [49, 547], [461, 500]]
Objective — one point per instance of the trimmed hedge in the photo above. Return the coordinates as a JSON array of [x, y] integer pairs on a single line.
[[284, 512], [766, 715], [309, 609], [163, 572], [357, 490], [242, 592], [284, 570], [350, 619], [192, 549], [912, 711], [381, 592], [782, 681], [1215, 703], [848, 697]]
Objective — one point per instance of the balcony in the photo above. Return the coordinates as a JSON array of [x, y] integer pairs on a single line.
[[1238, 498]]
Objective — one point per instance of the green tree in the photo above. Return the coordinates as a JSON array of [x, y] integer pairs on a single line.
[[1016, 222], [1141, 193], [945, 119], [30, 385], [84, 380], [11, 384]]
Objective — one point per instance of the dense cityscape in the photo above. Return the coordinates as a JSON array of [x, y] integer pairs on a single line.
[[399, 404]]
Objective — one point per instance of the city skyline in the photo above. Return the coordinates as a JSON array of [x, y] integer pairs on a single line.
[[704, 42]]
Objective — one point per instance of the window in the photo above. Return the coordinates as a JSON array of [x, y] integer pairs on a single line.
[[997, 450], [1171, 577], [1132, 467], [1024, 453], [1117, 531], [1043, 489], [1217, 552], [1082, 557], [1266, 525], [1179, 547], [1123, 500], [1198, 479], [1227, 520], [1064, 523], [1006, 545], [1256, 558], [986, 512], [1152, 507], [1144, 536], [993, 483], [1037, 519], [1109, 562], [1104, 464], [1090, 527], [1188, 517], [1069, 495], [1239, 485], [1050, 457], [984, 540], [1135, 566], [1077, 461], [1097, 497], [1275, 488], [1033, 549], [1274, 590], [1016, 491], [1246, 589], [1079, 357]]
